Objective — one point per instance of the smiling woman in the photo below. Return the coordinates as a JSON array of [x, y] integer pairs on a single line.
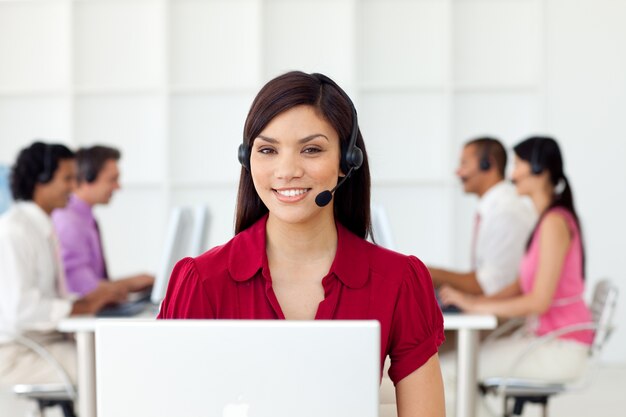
[[290, 165], [298, 256]]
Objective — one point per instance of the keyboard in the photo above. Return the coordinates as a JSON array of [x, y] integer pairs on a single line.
[[129, 309], [138, 305]]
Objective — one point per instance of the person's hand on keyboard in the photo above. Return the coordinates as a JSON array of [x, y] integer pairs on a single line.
[[105, 293], [114, 291], [137, 282]]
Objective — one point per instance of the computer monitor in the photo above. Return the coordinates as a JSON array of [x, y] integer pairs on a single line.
[[5, 193], [201, 221], [238, 368], [381, 227], [177, 246]]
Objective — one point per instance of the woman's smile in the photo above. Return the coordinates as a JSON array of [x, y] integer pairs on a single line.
[[291, 195]]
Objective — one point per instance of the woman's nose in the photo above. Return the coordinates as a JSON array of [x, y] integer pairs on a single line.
[[288, 166]]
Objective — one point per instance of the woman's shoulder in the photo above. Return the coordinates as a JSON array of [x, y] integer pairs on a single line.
[[217, 259], [557, 225], [559, 219], [394, 266]]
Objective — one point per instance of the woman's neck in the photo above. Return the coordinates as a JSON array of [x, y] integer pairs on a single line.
[[542, 200], [306, 242]]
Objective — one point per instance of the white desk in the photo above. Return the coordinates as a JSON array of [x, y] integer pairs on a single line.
[[467, 326], [84, 329]]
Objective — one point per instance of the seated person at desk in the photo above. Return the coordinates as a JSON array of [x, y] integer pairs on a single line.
[[32, 291], [77, 228], [549, 290], [502, 225], [300, 252]]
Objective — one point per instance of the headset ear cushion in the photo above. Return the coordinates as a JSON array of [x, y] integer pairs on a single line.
[[536, 168], [243, 154], [485, 164], [43, 178], [90, 177], [351, 159], [355, 158]]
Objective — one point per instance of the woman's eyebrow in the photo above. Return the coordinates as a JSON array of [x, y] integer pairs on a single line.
[[303, 140], [313, 136]]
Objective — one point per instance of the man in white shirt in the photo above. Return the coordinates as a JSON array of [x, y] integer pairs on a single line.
[[32, 294], [502, 225]]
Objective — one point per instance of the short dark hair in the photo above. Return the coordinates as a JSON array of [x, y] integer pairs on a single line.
[[352, 200], [491, 148], [91, 161], [36, 164]]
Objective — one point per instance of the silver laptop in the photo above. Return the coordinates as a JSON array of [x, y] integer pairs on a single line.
[[237, 368]]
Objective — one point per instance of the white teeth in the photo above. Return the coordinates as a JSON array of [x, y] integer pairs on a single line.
[[292, 192]]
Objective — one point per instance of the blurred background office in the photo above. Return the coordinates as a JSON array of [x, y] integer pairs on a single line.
[[169, 83]]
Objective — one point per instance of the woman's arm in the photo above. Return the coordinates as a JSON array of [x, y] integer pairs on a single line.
[[554, 242], [511, 290], [421, 392]]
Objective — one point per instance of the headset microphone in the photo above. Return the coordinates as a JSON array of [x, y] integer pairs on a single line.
[[522, 177], [323, 198]]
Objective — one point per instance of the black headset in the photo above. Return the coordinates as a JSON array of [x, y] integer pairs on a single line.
[[351, 154], [86, 169], [90, 175], [485, 160], [536, 163], [45, 176]]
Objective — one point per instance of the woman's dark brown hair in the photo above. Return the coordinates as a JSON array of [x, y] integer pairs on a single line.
[[544, 154], [352, 199]]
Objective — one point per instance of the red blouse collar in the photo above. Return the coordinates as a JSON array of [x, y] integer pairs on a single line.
[[248, 255]]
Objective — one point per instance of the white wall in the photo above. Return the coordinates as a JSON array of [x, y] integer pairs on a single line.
[[170, 81], [586, 106]]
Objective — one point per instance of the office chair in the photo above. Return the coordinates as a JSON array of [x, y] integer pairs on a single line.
[[47, 395], [520, 391]]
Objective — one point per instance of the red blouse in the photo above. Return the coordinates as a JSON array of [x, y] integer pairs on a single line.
[[365, 282]]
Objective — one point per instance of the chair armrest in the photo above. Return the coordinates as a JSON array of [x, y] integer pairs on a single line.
[[499, 331], [548, 337], [43, 353]]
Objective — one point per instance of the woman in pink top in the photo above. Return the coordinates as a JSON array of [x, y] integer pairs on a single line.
[[549, 290]]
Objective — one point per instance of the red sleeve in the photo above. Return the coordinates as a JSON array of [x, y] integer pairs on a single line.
[[417, 324], [185, 297]]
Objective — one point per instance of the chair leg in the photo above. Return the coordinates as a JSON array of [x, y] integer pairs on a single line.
[[68, 408], [518, 407], [519, 402]]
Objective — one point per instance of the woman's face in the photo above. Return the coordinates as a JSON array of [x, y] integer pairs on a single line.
[[293, 159], [522, 176]]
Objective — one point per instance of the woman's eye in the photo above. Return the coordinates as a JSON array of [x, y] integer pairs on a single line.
[[311, 150], [266, 150]]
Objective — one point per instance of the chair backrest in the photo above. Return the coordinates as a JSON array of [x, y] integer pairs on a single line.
[[603, 307]]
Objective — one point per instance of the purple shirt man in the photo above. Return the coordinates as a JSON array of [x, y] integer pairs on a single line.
[[81, 246], [77, 230]]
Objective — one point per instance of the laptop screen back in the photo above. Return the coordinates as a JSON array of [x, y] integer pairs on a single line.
[[223, 368]]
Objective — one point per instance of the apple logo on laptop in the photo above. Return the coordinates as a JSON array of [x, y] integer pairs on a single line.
[[238, 409]]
